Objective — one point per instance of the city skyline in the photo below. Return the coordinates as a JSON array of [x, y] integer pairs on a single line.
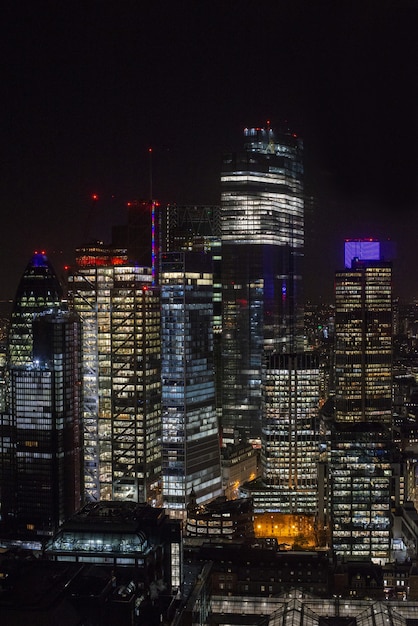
[[88, 91]]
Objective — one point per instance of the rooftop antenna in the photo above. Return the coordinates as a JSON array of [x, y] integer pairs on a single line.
[[150, 173], [152, 206]]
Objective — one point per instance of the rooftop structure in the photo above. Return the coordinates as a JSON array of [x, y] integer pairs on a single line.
[[122, 534], [367, 250], [221, 518]]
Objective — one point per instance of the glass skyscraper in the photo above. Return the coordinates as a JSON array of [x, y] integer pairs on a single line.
[[190, 436], [361, 488], [197, 228], [38, 429], [39, 290], [363, 342], [290, 433], [361, 443], [262, 221], [45, 409]]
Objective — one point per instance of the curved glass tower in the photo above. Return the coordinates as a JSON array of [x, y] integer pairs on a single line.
[[262, 220], [39, 290]]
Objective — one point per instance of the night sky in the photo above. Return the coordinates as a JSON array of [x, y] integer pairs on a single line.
[[87, 87]]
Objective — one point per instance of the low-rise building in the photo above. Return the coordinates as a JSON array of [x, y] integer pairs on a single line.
[[221, 518], [123, 535]]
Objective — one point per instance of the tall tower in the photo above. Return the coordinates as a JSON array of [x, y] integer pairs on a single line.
[[40, 429], [262, 247], [288, 490], [290, 434], [361, 442], [39, 290], [191, 453], [120, 311], [197, 228], [363, 343], [45, 409]]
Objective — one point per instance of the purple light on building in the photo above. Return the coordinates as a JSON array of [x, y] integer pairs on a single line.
[[368, 250]]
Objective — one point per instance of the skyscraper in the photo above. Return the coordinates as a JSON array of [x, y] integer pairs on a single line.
[[120, 311], [189, 227], [39, 290], [40, 437], [363, 342], [361, 489], [262, 245], [197, 228], [287, 491], [290, 433], [45, 409], [361, 442], [190, 437]]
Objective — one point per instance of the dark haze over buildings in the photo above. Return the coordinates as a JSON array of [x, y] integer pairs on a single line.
[[88, 87]]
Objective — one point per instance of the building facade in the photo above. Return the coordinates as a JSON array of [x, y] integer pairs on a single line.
[[197, 228], [290, 431], [190, 436], [40, 445], [137, 538], [262, 221], [361, 488], [361, 456], [120, 311], [45, 410], [363, 342], [39, 290]]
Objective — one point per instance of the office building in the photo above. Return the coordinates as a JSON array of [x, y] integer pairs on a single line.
[[197, 228], [39, 290], [262, 225], [286, 495], [290, 431], [120, 312], [220, 519], [363, 343], [361, 454], [192, 228], [129, 536], [45, 414], [240, 464], [361, 467], [190, 436]]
